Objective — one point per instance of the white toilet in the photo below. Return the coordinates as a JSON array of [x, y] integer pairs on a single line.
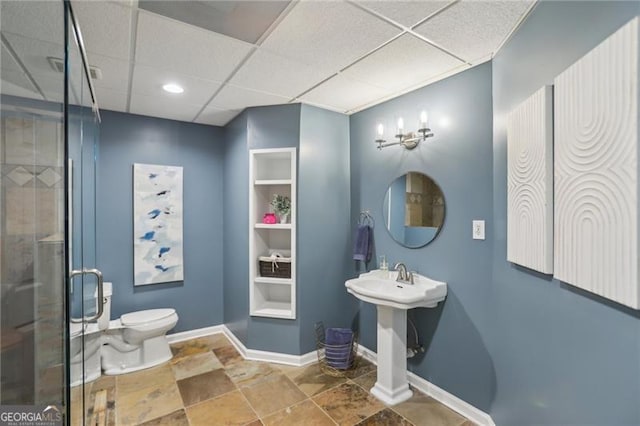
[[85, 365], [136, 340]]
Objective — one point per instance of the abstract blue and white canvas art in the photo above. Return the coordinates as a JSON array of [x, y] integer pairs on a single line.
[[157, 224]]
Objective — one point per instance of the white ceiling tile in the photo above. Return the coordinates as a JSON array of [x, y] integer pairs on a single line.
[[232, 97], [149, 81], [286, 77], [407, 13], [217, 117], [113, 100], [186, 49], [328, 35], [42, 20], [105, 26], [33, 54], [403, 63], [343, 93], [473, 29], [115, 73], [163, 107], [15, 83], [7, 61]]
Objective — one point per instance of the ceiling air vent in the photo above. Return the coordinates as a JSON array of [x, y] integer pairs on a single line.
[[58, 65]]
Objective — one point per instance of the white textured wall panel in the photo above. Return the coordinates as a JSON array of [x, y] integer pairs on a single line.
[[530, 182], [596, 170]]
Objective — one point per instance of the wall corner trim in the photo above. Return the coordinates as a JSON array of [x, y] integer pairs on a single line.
[[265, 356], [456, 404], [250, 354]]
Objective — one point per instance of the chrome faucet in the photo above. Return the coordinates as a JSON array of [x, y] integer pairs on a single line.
[[404, 276]]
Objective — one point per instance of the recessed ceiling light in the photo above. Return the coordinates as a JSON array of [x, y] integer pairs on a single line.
[[172, 88]]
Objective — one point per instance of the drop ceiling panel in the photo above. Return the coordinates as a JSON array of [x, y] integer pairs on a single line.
[[7, 61], [106, 27], [286, 77], [149, 81], [33, 54], [115, 73], [245, 20], [16, 84], [216, 117], [163, 107], [344, 94], [407, 13], [474, 29], [328, 35], [42, 20], [113, 100], [189, 50], [403, 63], [232, 97]]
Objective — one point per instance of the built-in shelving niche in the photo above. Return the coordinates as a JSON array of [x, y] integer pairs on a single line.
[[272, 171]]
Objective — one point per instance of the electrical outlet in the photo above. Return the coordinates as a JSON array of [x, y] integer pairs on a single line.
[[478, 229]]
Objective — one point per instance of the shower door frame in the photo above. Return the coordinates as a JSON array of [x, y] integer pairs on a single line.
[[80, 271]]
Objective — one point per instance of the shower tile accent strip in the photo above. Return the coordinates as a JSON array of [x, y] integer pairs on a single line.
[[208, 383]]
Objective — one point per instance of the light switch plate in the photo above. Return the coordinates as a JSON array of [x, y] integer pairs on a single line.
[[478, 229]]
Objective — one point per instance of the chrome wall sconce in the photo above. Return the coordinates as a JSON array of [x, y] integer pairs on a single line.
[[407, 140]]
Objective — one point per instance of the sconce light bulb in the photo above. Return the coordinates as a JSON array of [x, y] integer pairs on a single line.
[[400, 125], [423, 119], [380, 130]]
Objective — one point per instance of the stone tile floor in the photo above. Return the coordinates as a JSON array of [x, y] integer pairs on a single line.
[[209, 383]]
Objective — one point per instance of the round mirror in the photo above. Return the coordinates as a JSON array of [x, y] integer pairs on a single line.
[[413, 210]]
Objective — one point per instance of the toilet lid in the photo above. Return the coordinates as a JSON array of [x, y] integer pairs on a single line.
[[142, 317]]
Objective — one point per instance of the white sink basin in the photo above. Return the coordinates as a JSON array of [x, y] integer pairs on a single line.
[[392, 299], [374, 287]]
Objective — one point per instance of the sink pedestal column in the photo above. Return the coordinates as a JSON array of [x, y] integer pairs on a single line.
[[392, 386]]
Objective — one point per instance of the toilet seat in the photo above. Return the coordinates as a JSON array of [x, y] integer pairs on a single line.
[[145, 317]]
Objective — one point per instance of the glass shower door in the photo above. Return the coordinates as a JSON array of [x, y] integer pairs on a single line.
[[32, 209]]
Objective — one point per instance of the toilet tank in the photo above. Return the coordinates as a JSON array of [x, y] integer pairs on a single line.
[[107, 289]]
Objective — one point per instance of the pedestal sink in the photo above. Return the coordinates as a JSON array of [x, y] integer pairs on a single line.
[[392, 299]]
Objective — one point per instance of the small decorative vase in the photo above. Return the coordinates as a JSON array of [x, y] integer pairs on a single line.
[[284, 217], [269, 218]]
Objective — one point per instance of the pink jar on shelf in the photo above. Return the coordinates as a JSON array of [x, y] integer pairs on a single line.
[[269, 218]]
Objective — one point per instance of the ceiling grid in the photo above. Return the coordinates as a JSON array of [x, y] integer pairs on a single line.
[[344, 55]]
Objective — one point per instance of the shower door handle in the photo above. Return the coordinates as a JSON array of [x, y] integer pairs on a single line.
[[100, 301]]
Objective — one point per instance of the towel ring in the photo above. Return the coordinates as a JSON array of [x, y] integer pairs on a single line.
[[366, 218]]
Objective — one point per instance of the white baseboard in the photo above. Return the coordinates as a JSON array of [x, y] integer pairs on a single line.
[[456, 404], [266, 356], [250, 354], [193, 334]]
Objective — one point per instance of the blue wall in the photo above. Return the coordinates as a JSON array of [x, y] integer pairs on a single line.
[[272, 127], [561, 355], [324, 227], [126, 139], [256, 128], [459, 158], [322, 140], [236, 220]]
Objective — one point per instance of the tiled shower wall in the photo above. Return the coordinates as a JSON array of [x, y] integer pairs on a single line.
[[31, 255]]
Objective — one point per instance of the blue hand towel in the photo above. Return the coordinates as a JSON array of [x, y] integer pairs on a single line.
[[338, 336], [362, 243], [338, 347]]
